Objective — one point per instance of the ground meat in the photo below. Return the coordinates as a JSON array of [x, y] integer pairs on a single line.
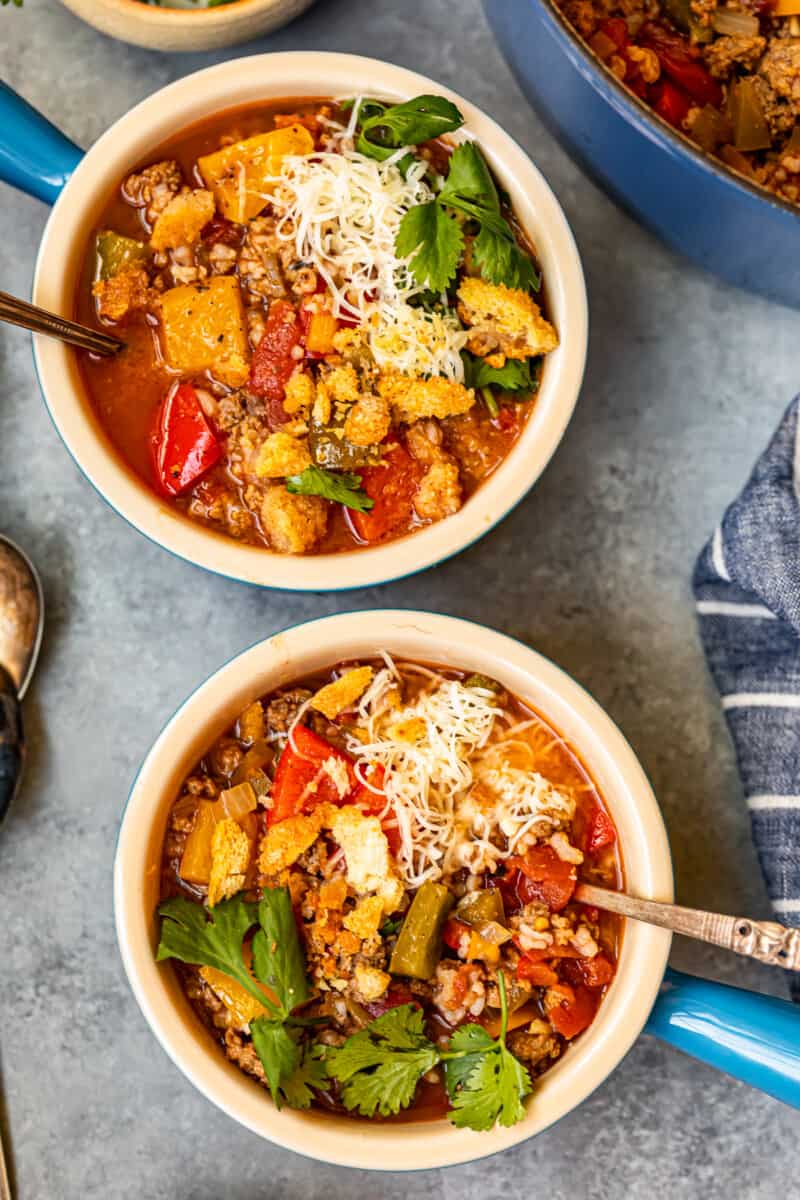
[[230, 410], [205, 998], [258, 261], [226, 756], [779, 113], [202, 785], [424, 442], [725, 53], [535, 1049], [282, 711], [153, 188], [780, 67], [184, 266], [301, 277], [439, 492], [242, 1053]]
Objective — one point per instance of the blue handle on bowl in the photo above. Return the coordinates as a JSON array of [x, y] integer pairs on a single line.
[[755, 1038], [34, 155]]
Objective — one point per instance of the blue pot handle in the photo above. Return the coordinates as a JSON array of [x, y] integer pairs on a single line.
[[755, 1038], [34, 155]]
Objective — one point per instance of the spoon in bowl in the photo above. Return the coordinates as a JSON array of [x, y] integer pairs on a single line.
[[21, 624], [39, 320], [766, 941]]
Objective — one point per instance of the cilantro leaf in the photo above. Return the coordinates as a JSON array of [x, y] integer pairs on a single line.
[[194, 934], [469, 185], [492, 1091], [515, 375], [500, 260], [277, 1050], [310, 1074], [408, 124], [380, 1067], [486, 1083], [277, 955], [436, 242], [342, 488]]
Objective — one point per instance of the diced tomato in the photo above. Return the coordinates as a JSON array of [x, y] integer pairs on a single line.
[[594, 972], [549, 878], [536, 973], [616, 30], [680, 62], [220, 229], [184, 445], [395, 995], [300, 783], [549, 952], [507, 419], [273, 361], [575, 1012], [392, 485], [670, 102], [599, 833], [456, 934]]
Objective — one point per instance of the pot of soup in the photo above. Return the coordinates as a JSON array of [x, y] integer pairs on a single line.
[[354, 316], [344, 893]]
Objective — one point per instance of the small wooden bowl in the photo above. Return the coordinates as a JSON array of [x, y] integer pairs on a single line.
[[182, 29]]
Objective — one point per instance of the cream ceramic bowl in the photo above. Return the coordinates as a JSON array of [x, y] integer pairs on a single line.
[[184, 29], [431, 638], [261, 78]]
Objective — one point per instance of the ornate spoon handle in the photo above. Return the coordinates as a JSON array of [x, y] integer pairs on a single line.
[[766, 941]]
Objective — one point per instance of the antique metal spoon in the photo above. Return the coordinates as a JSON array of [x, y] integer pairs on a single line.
[[21, 624], [766, 941], [39, 320]]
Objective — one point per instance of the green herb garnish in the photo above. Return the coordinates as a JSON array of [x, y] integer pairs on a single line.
[[516, 374], [382, 130], [215, 937], [468, 190], [342, 488], [390, 927], [380, 1067]]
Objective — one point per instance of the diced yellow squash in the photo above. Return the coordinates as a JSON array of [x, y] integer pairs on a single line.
[[321, 328], [196, 859], [203, 330], [183, 220], [242, 1007], [239, 175], [339, 695]]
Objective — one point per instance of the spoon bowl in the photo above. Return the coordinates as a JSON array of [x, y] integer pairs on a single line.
[[21, 626]]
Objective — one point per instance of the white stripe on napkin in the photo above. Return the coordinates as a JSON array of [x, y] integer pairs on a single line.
[[759, 802], [786, 906], [761, 700], [718, 555], [727, 608]]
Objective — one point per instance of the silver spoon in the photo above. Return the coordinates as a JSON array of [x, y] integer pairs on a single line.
[[39, 320], [766, 941], [21, 624]]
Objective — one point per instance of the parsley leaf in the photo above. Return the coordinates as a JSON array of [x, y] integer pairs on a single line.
[[516, 375], [384, 130], [380, 1067], [500, 260], [436, 242], [206, 938], [310, 1074], [342, 488], [487, 1084], [278, 1051], [277, 955]]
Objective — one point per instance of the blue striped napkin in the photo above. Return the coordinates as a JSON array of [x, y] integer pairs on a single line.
[[747, 587]]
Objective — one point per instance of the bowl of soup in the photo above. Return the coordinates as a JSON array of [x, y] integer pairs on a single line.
[[344, 890], [186, 24], [355, 321]]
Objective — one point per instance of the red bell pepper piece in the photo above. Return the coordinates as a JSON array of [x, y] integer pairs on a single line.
[[549, 879], [600, 832], [680, 63], [535, 972], [456, 935], [392, 485], [594, 972], [184, 445], [670, 102], [299, 783], [616, 30], [273, 361], [575, 1012]]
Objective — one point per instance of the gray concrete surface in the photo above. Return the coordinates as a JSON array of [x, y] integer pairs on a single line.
[[686, 380]]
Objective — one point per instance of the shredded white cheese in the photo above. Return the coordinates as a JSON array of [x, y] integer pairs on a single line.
[[459, 787], [340, 211]]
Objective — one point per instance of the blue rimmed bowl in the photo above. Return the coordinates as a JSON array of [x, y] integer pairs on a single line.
[[695, 203], [36, 157]]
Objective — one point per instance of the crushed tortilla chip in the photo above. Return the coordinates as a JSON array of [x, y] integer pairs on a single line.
[[366, 917], [230, 858], [335, 697]]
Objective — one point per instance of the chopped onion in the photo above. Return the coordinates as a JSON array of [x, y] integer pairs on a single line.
[[733, 23]]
